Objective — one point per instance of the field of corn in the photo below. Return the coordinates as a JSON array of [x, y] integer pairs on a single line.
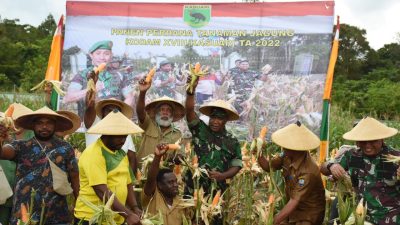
[[254, 196]]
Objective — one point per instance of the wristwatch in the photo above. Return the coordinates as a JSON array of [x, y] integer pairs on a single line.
[[329, 166]]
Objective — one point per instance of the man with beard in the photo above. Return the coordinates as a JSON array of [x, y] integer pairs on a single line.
[[156, 120], [33, 167], [160, 192], [104, 171]]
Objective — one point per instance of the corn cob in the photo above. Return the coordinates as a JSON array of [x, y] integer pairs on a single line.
[[195, 73], [150, 75], [173, 147]]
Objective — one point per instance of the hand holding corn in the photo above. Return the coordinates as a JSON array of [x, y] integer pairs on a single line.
[[337, 171], [93, 76], [195, 73]]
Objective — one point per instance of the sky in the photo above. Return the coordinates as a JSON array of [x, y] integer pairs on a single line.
[[378, 18]]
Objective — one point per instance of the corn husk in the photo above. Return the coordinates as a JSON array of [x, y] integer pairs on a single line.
[[103, 214]]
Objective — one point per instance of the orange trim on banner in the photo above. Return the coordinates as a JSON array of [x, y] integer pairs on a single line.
[[160, 10], [323, 150]]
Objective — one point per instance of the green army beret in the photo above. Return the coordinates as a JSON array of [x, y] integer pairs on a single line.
[[101, 45]]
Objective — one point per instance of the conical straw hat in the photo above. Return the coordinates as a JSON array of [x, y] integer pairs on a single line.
[[20, 110], [206, 109], [369, 129], [76, 122], [125, 108], [115, 123], [296, 137], [178, 108], [27, 121]]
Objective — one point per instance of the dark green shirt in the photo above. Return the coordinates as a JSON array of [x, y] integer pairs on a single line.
[[215, 150]]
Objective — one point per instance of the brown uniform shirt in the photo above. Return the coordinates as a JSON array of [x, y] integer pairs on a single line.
[[153, 136], [303, 182], [172, 215]]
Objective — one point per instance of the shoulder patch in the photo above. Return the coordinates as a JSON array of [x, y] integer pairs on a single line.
[[301, 182]]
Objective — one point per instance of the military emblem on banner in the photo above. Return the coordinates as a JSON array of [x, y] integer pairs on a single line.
[[197, 16]]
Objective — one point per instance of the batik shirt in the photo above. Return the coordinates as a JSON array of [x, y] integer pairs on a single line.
[[217, 151], [33, 173], [375, 181]]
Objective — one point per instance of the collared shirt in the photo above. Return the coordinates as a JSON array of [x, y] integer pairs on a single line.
[[172, 215], [33, 172], [153, 136], [217, 151], [303, 183], [375, 181], [99, 165]]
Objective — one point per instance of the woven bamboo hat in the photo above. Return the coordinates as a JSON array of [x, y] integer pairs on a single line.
[[26, 121], [207, 109], [76, 122], [125, 108], [177, 108], [20, 110], [296, 137], [369, 129], [115, 123]]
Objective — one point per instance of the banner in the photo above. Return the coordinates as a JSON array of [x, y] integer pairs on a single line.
[[268, 59]]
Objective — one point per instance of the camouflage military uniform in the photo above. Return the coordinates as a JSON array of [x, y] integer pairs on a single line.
[[215, 151], [243, 82], [168, 90], [375, 181], [115, 83]]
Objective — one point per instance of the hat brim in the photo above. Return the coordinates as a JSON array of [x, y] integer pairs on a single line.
[[125, 108], [369, 129], [115, 123], [76, 122], [207, 109], [293, 137], [353, 136], [177, 108], [62, 123]]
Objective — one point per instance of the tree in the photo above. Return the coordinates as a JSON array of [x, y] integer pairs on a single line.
[[48, 26], [190, 54], [353, 51]]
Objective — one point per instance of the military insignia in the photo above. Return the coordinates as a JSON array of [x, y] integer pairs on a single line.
[[196, 16], [301, 182]]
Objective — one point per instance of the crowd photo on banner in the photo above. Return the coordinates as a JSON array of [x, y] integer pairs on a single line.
[[193, 114]]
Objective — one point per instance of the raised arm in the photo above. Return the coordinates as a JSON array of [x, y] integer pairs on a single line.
[[140, 105], [190, 101], [90, 112], [151, 183]]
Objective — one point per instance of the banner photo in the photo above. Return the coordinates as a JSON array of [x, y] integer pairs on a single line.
[[269, 59]]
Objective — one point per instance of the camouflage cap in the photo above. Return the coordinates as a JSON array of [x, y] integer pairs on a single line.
[[101, 45]]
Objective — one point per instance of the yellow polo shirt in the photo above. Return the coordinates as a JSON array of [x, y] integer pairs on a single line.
[[99, 165]]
